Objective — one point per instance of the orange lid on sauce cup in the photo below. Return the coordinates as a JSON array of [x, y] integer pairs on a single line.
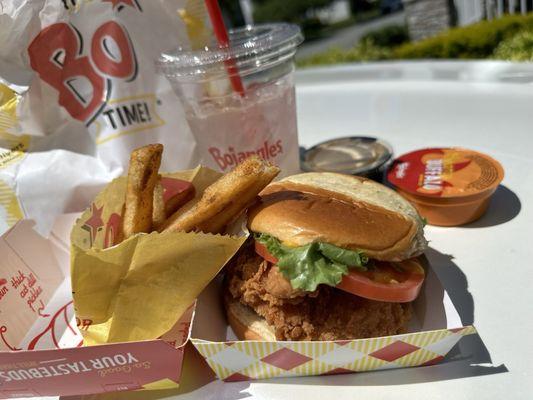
[[448, 186]]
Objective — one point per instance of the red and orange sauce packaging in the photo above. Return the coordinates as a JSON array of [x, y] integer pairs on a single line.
[[448, 186]]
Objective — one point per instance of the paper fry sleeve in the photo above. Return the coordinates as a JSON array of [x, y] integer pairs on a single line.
[[138, 289]]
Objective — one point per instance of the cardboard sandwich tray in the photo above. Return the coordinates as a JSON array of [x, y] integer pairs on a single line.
[[40, 343], [435, 328]]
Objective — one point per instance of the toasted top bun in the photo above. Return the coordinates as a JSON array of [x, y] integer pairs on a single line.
[[344, 210]]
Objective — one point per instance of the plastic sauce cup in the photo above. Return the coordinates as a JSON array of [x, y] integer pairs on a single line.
[[448, 186], [354, 155]]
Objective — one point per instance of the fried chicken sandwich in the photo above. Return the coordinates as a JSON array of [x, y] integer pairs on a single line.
[[332, 257]]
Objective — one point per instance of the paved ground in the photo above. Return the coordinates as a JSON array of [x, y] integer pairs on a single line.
[[348, 37]]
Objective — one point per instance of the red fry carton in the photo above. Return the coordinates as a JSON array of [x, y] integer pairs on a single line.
[[40, 341]]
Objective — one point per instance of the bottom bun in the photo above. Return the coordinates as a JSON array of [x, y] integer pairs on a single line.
[[246, 324]]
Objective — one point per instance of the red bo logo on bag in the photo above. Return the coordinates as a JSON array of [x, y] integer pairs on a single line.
[[83, 82]]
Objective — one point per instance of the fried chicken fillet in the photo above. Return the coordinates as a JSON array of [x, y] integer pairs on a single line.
[[325, 314]]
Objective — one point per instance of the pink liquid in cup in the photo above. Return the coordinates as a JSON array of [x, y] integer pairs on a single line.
[[227, 126]]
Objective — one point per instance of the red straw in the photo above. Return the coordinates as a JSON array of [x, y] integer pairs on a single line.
[[223, 41]]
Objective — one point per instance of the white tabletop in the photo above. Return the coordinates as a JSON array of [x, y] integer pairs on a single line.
[[484, 266]]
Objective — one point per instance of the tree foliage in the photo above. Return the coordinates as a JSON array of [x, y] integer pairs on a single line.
[[285, 10]]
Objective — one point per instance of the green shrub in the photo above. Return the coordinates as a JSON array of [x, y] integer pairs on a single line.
[[517, 48], [390, 36], [282, 10], [375, 45], [364, 51], [475, 41], [509, 38]]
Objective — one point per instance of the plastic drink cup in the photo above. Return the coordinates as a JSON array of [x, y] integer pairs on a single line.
[[228, 125]]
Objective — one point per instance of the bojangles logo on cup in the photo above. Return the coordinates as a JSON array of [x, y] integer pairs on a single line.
[[231, 157]]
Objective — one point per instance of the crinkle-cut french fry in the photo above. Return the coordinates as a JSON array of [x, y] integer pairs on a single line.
[[225, 199], [143, 175]]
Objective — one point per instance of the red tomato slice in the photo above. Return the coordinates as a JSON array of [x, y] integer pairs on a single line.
[[386, 283], [382, 283], [263, 252]]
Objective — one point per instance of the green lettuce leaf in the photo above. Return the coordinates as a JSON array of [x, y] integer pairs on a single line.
[[308, 266]]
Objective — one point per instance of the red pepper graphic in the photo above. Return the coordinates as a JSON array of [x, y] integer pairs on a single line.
[[3, 329], [59, 318], [112, 229]]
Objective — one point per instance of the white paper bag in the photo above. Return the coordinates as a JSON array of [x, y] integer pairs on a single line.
[[81, 76]]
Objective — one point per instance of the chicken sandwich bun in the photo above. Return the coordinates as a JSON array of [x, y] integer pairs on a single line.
[[332, 257]]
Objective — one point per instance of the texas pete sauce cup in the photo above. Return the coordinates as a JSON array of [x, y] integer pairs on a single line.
[[448, 186]]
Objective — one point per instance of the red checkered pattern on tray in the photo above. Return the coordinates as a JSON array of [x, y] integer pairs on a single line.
[[245, 360]]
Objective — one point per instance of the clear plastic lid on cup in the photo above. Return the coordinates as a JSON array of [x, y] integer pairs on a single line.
[[252, 49], [229, 124]]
